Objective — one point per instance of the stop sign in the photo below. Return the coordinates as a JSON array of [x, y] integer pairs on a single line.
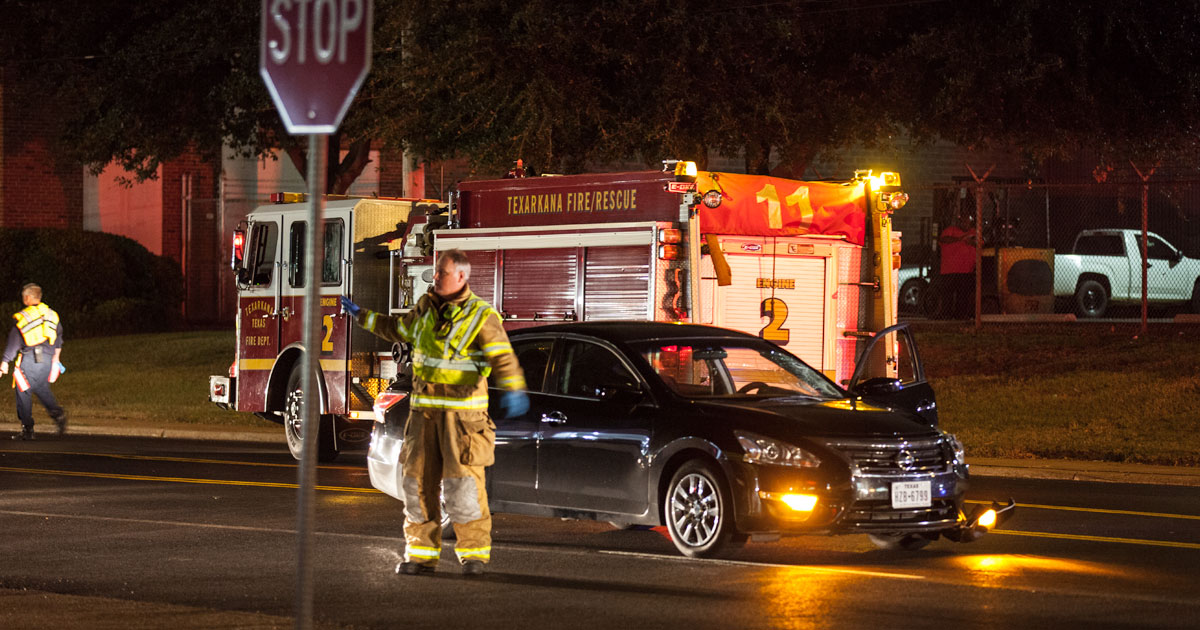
[[313, 56]]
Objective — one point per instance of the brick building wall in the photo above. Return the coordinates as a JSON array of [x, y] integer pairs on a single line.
[[37, 187], [190, 231]]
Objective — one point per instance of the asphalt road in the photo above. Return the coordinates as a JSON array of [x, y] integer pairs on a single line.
[[155, 533]]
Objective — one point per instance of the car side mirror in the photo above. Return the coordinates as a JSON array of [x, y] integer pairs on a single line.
[[878, 386]]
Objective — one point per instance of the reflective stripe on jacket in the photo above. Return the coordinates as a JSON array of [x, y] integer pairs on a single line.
[[38, 324], [457, 344]]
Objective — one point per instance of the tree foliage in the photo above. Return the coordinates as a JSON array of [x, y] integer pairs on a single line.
[[1118, 80], [566, 83], [573, 83]]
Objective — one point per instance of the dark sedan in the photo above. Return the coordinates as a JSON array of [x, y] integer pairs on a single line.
[[720, 436]]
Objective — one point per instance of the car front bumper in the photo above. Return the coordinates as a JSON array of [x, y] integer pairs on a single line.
[[847, 503]]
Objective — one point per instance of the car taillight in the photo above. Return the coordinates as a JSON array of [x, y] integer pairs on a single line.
[[233, 369], [384, 401]]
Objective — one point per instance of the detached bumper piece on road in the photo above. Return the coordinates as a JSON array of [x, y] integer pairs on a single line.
[[982, 520]]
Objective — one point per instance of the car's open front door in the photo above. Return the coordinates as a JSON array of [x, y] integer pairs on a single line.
[[899, 380]]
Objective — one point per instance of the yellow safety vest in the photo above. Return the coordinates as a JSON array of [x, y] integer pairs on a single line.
[[449, 363], [441, 338], [38, 324]]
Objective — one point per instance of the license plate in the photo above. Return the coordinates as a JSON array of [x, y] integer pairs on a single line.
[[911, 494]]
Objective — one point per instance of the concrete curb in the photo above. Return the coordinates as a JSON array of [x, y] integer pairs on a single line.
[[232, 434], [1067, 470], [1086, 471]]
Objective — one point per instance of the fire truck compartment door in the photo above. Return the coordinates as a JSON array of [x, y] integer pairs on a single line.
[[781, 299]]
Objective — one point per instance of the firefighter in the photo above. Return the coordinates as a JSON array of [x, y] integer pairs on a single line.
[[35, 342], [458, 341]]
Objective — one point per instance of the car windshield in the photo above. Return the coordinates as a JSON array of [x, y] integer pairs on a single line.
[[711, 369]]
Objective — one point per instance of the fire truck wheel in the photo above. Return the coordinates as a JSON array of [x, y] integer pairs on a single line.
[[293, 423]]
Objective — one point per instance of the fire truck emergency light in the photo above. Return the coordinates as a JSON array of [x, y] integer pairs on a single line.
[[286, 197], [670, 235], [685, 171], [668, 252], [239, 247]]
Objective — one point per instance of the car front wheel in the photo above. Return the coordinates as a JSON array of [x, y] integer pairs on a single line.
[[699, 510]]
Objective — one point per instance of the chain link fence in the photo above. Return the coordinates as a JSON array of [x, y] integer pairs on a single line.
[[1058, 248]]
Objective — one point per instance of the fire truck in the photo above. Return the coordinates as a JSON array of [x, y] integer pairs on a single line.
[[808, 265]]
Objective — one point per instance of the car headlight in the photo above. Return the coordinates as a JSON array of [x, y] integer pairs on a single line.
[[763, 450], [960, 454]]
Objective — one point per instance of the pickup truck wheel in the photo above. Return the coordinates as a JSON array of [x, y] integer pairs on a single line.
[[910, 294], [1091, 300], [293, 422]]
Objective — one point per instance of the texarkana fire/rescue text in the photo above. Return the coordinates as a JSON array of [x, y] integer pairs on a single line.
[[557, 203]]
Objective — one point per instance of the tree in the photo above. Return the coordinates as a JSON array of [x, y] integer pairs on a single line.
[[144, 82], [563, 84], [1119, 80], [570, 84]]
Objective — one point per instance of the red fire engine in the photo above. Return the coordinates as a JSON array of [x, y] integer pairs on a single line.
[[808, 265]]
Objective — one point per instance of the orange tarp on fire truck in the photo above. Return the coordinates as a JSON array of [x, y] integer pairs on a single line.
[[754, 205]]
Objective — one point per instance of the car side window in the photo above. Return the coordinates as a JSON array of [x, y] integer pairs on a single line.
[[534, 357], [1158, 250], [1100, 245], [592, 371]]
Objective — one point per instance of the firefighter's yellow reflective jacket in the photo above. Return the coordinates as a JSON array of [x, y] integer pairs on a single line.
[[38, 324], [457, 344]]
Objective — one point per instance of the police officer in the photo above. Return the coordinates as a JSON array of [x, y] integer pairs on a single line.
[[458, 341], [35, 342]]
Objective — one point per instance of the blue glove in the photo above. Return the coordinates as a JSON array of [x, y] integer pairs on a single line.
[[350, 307], [513, 404]]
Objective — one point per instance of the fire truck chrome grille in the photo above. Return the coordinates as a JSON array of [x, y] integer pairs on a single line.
[[897, 457]]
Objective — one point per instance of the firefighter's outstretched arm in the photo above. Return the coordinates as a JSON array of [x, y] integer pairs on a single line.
[[385, 326], [506, 371]]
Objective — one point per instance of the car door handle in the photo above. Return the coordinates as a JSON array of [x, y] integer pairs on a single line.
[[554, 417]]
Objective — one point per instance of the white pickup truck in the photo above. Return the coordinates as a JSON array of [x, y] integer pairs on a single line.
[[1103, 268]]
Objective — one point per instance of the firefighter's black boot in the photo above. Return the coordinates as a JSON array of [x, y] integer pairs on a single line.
[[26, 433], [414, 568], [472, 568], [61, 423]]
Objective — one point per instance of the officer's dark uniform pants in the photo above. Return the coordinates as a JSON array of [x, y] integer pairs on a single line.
[[37, 374]]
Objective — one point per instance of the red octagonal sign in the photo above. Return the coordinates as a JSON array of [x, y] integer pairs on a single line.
[[314, 55]]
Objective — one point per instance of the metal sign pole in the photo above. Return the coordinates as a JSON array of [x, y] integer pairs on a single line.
[[314, 254]]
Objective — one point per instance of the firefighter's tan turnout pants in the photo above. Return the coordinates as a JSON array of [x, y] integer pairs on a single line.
[[444, 447]]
